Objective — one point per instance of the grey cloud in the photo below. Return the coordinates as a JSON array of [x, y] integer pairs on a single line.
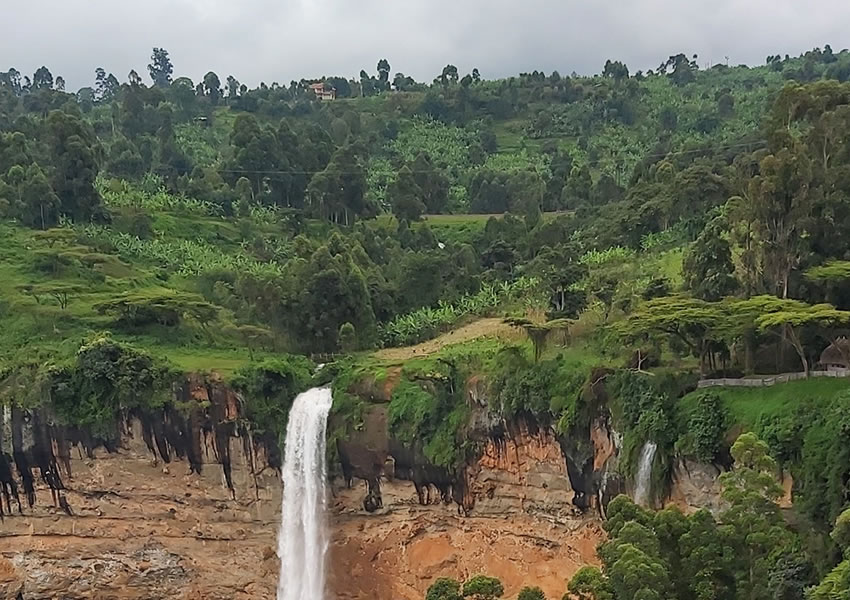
[[280, 40]]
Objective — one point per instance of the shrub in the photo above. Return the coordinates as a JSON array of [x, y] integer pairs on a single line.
[[531, 593], [444, 588], [106, 378], [707, 425], [482, 587], [427, 322], [429, 416], [269, 388]]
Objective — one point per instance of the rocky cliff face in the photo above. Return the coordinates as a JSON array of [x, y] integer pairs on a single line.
[[166, 507], [520, 525], [186, 506], [142, 528]]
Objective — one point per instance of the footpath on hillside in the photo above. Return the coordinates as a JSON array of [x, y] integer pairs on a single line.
[[492, 327]]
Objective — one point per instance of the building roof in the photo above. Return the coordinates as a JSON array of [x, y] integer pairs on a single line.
[[834, 355]]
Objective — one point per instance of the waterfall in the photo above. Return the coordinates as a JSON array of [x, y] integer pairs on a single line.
[[302, 539], [644, 474]]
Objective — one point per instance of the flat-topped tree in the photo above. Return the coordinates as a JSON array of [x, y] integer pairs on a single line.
[[165, 307], [695, 323], [60, 291], [792, 319], [787, 319], [539, 333], [830, 276], [251, 335], [831, 272]]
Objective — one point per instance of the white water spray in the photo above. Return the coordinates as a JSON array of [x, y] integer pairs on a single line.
[[302, 539], [644, 474]]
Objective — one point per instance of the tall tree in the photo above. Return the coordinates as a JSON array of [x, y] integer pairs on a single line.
[[134, 79], [615, 70], [212, 87], [37, 204], [42, 79], [106, 86], [434, 186], [559, 270], [449, 75], [402, 82], [74, 152], [753, 524], [405, 196], [160, 68], [232, 87], [337, 193], [384, 73], [708, 268], [781, 204]]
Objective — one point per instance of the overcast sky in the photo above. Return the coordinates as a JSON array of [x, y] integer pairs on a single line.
[[281, 40]]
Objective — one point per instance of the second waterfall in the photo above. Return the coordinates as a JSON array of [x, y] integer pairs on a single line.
[[644, 474], [302, 539]]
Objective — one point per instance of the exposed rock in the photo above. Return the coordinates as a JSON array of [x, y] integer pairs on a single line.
[[399, 553], [11, 581], [138, 533], [696, 485], [523, 473]]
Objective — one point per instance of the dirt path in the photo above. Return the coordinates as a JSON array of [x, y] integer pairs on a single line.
[[490, 327]]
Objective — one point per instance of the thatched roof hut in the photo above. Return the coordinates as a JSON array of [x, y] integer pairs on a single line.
[[835, 355]]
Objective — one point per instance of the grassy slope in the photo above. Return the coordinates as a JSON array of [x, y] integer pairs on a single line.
[[747, 405], [34, 327]]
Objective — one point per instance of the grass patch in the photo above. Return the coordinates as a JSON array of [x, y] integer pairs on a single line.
[[748, 405]]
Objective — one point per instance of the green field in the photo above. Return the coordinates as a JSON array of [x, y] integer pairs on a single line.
[[747, 405]]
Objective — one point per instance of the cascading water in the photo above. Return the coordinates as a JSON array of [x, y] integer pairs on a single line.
[[302, 539], [644, 474]]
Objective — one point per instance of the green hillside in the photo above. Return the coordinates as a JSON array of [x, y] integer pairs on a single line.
[[635, 232]]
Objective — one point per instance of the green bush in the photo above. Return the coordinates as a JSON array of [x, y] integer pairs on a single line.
[[482, 587], [429, 416], [707, 426], [531, 593], [106, 378], [545, 391], [269, 388], [444, 588]]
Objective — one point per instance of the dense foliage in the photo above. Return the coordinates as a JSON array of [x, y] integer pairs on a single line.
[[106, 379], [268, 388]]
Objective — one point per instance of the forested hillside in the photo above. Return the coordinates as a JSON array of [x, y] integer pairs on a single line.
[[656, 227], [259, 205]]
